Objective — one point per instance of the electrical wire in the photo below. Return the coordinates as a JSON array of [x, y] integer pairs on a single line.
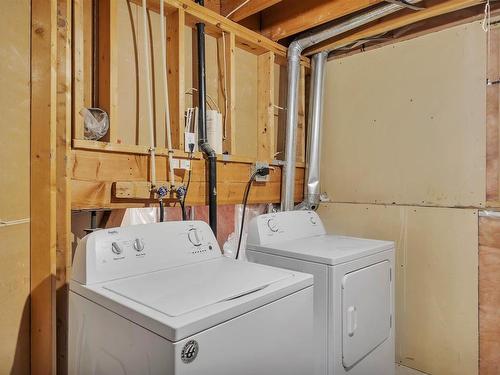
[[237, 8], [245, 200], [263, 171], [182, 201]]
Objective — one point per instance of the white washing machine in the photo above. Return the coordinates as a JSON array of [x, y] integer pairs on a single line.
[[161, 299], [353, 289]]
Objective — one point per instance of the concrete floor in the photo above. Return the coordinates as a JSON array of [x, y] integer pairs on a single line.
[[402, 370]]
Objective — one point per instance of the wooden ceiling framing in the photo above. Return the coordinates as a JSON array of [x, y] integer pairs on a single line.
[[283, 20]]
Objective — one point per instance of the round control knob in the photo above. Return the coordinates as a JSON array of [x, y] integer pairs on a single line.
[[312, 219], [194, 237], [115, 248], [273, 225], [138, 244]]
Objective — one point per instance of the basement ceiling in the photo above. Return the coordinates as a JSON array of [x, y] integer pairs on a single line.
[[284, 20]]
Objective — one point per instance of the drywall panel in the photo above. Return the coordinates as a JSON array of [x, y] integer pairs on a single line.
[[14, 110], [15, 186], [489, 295], [405, 123], [14, 294], [246, 103], [436, 279]]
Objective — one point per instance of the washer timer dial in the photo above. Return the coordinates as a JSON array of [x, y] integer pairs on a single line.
[[138, 244], [194, 237], [272, 224]]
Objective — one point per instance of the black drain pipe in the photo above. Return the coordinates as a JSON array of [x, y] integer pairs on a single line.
[[204, 146]]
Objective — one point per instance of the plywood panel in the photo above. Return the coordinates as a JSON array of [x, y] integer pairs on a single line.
[[15, 186], [246, 103], [489, 296], [436, 279], [14, 294], [410, 129]]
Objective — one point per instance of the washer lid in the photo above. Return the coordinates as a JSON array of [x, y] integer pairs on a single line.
[[326, 249], [181, 290]]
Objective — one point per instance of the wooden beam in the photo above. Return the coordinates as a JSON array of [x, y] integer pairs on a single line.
[[265, 107], [63, 180], [43, 185], [250, 8], [215, 24], [175, 75], [301, 117], [226, 46], [286, 18], [392, 22], [82, 63], [108, 64], [95, 173]]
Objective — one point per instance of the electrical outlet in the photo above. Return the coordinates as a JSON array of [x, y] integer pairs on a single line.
[[258, 165]]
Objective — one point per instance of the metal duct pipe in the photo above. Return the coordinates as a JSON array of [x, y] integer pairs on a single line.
[[315, 117], [294, 51], [208, 151]]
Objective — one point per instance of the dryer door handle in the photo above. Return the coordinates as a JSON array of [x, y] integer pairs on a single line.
[[352, 320]]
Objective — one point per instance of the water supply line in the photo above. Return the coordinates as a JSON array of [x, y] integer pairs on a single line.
[[203, 145], [149, 96], [315, 120], [171, 176], [295, 50]]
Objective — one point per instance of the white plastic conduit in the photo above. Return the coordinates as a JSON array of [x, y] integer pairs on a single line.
[[167, 109], [149, 94]]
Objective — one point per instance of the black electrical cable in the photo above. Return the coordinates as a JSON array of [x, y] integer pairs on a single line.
[[162, 211], [264, 171], [182, 201]]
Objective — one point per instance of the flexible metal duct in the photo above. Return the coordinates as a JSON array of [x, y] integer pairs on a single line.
[[294, 51], [311, 187]]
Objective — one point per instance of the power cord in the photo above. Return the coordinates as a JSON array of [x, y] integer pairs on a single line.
[[182, 201], [263, 171]]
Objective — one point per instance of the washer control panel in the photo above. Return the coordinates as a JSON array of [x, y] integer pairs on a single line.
[[284, 226], [126, 251]]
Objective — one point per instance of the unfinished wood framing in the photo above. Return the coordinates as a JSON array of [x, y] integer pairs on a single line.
[[229, 36], [265, 122], [402, 18], [238, 12], [43, 185], [285, 19], [63, 181], [489, 298], [99, 176], [226, 46]]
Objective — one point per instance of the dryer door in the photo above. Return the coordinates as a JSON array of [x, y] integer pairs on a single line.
[[366, 309]]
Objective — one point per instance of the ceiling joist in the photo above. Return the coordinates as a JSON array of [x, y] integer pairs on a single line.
[[403, 18], [241, 9], [291, 17]]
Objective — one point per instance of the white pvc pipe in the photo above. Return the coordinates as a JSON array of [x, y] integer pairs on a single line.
[[165, 86], [150, 94]]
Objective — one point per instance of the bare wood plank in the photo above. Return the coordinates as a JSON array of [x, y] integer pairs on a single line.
[[108, 64], [489, 298], [265, 107], [287, 18], [43, 186], [395, 21], [216, 23], [226, 46], [82, 62], [175, 75], [301, 117], [250, 8], [493, 119]]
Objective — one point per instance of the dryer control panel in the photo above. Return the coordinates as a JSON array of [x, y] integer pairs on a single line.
[[284, 226], [127, 251]]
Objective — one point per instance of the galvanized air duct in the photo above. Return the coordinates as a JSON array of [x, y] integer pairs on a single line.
[[294, 51], [315, 117]]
